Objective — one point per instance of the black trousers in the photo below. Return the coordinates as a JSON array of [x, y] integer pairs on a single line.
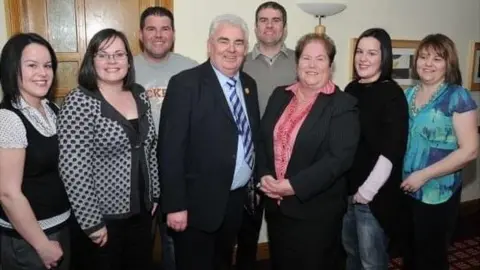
[[199, 250], [129, 246], [247, 240], [304, 244], [18, 254], [431, 229]]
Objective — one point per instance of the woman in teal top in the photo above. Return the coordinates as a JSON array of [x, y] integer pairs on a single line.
[[442, 140]]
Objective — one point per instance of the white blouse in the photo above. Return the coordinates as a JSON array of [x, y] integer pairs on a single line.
[[12, 131]]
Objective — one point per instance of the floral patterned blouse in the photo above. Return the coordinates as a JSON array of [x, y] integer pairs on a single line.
[[432, 137]]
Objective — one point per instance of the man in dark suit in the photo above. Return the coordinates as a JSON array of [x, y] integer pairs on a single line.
[[208, 128]]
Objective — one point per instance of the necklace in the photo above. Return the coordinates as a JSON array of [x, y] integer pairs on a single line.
[[414, 110]]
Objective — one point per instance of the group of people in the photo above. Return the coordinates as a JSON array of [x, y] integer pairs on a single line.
[[205, 150]]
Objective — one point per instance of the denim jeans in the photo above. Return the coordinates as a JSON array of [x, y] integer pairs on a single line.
[[363, 239], [168, 251]]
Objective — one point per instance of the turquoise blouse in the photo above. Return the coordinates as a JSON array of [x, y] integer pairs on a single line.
[[431, 137]]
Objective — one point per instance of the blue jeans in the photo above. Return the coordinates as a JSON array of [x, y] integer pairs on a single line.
[[168, 251], [363, 239]]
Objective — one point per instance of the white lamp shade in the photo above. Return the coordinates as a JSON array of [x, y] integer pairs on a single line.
[[321, 9]]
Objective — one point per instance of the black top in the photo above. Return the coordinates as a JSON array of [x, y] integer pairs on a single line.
[[141, 179], [384, 131], [41, 183], [134, 123]]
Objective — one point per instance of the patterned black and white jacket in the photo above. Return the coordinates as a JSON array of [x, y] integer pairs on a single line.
[[103, 158]]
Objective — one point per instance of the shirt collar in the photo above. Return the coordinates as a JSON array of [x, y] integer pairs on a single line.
[[21, 104], [328, 89], [164, 59], [222, 78], [256, 51]]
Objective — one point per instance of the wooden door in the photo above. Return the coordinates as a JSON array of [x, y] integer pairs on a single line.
[[70, 24]]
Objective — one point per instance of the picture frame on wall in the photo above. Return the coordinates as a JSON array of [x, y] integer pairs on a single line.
[[474, 67], [403, 57]]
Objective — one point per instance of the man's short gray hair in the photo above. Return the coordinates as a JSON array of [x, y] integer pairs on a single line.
[[230, 19]]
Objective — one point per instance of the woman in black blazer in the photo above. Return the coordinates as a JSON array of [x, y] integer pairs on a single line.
[[309, 135]]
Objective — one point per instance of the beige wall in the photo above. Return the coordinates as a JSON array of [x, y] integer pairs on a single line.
[[406, 19]]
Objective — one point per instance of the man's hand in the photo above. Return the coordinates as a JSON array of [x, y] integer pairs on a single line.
[[178, 221]]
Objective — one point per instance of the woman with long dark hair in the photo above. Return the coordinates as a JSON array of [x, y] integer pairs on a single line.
[[35, 208], [376, 205]]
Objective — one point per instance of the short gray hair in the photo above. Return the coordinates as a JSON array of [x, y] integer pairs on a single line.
[[230, 19]]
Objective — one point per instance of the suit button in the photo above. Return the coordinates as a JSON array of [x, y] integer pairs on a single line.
[[234, 156], [137, 146]]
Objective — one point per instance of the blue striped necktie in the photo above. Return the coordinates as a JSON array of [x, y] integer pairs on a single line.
[[242, 122]]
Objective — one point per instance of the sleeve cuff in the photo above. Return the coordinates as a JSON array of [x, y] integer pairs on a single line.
[[378, 176], [94, 228]]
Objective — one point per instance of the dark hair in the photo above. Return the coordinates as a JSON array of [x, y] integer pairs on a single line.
[[87, 76], [386, 64], [11, 66], [445, 48], [273, 5], [156, 11], [325, 40]]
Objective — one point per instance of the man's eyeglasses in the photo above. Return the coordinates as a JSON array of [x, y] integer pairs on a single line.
[[119, 56]]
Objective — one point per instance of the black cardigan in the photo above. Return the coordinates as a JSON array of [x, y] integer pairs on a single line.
[[384, 131]]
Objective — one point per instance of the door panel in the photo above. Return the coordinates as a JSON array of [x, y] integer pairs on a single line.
[[126, 16], [70, 24], [62, 28]]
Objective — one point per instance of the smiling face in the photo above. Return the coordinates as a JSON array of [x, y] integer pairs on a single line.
[[431, 67], [270, 27], [37, 73], [111, 62], [227, 48], [368, 59], [314, 69], [157, 36]]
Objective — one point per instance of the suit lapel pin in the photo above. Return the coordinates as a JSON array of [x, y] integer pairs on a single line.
[[247, 91]]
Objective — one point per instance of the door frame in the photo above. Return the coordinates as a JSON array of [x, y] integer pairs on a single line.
[[15, 21]]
